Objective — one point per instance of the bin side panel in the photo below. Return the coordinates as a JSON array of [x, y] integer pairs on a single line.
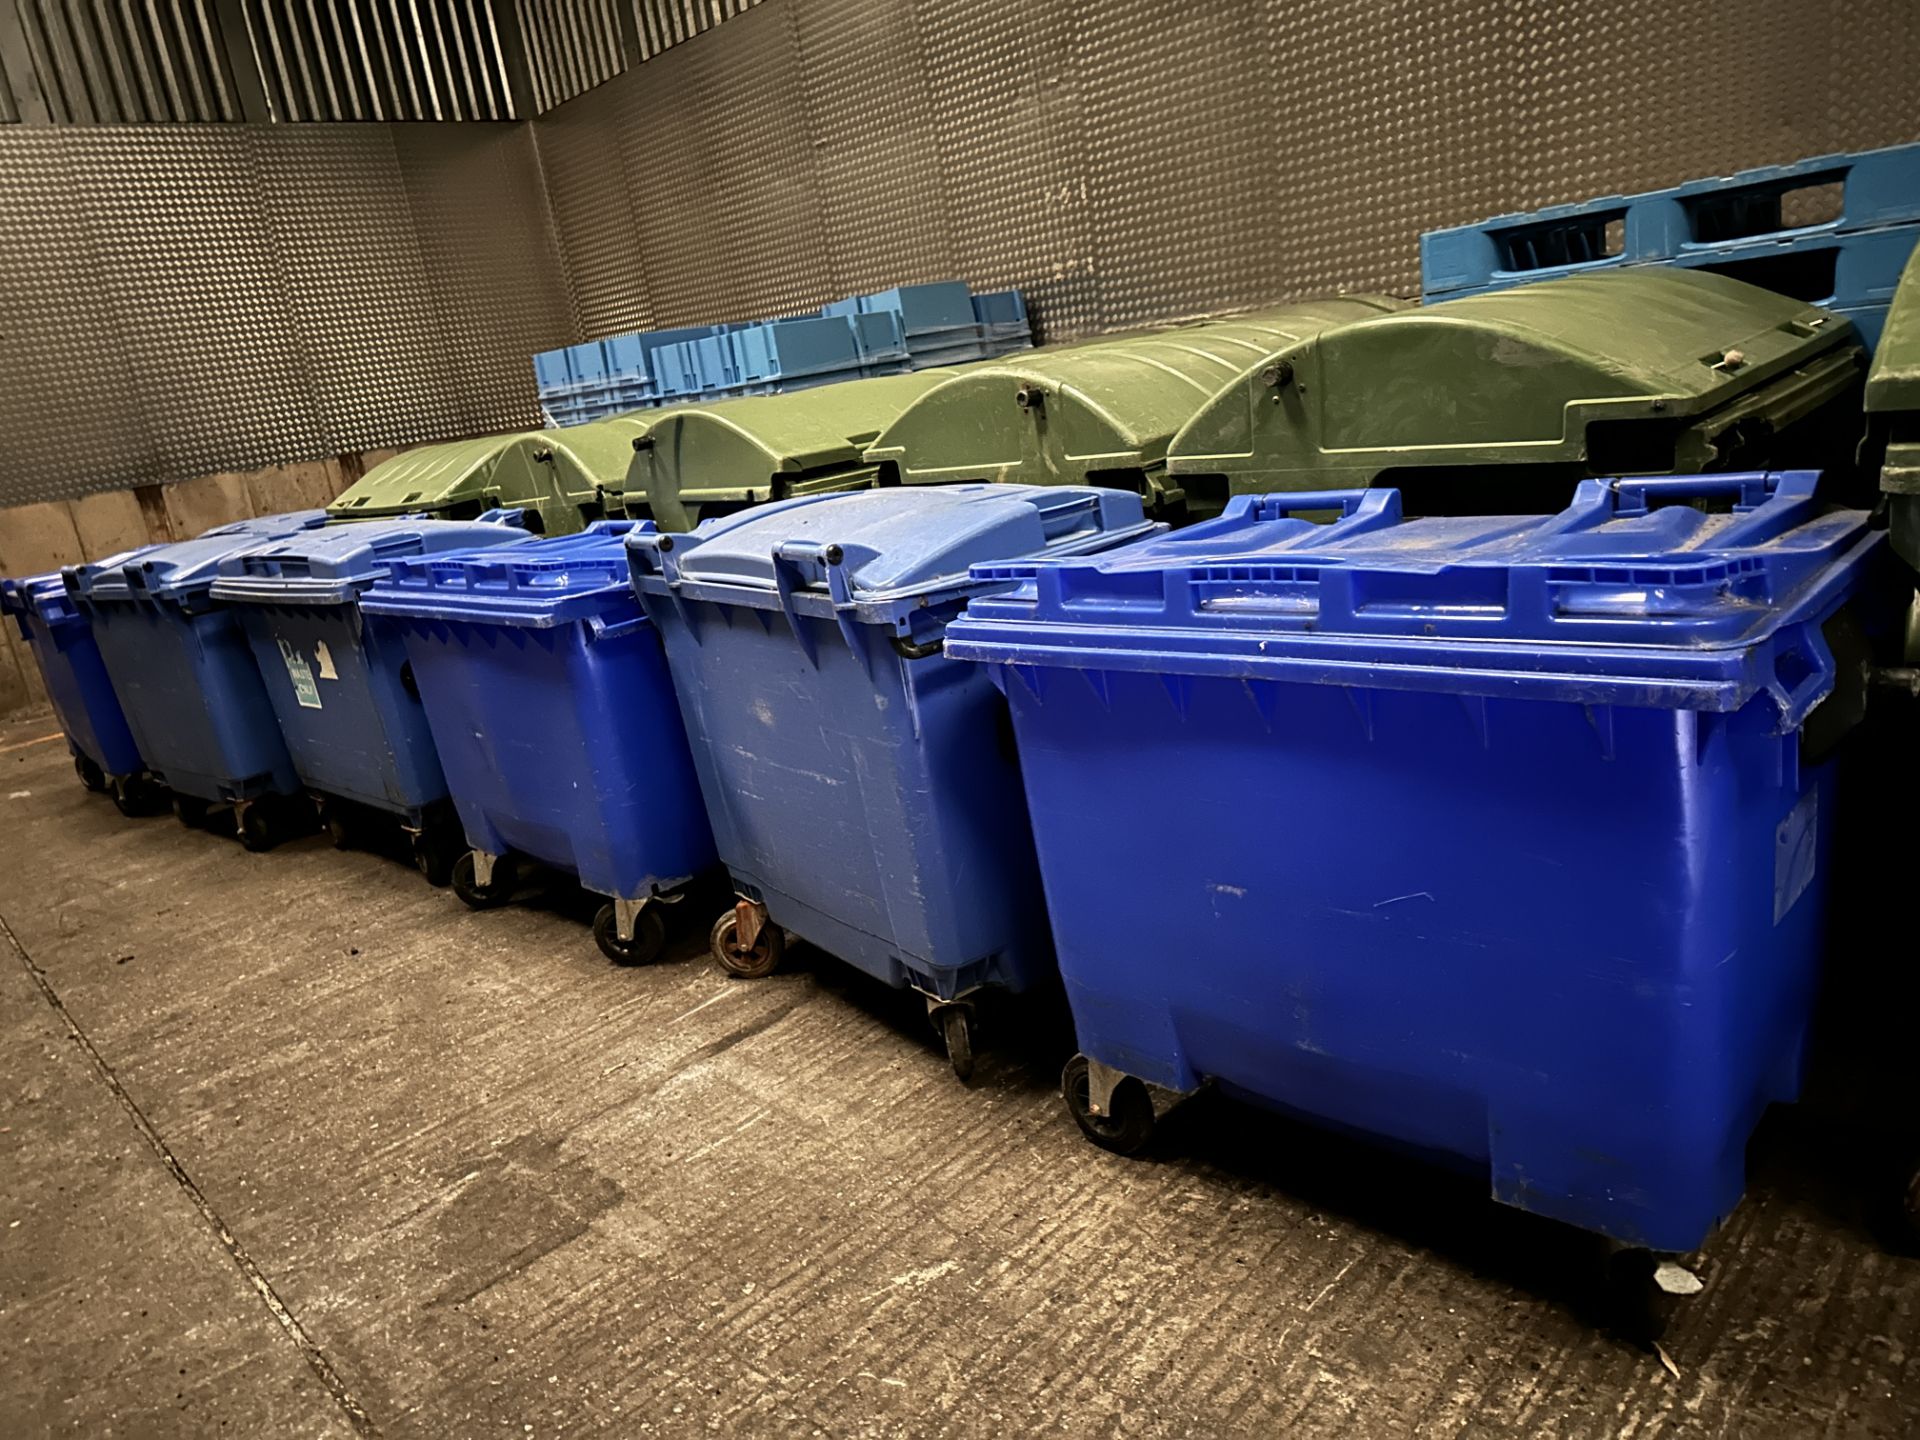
[[350, 725], [870, 808], [194, 700], [1537, 937], [565, 748], [81, 694]]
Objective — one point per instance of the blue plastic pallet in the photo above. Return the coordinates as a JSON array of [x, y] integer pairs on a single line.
[[1878, 188]]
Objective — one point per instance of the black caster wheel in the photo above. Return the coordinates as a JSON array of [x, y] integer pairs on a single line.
[[490, 896], [338, 822], [135, 796], [190, 811], [1126, 1128], [739, 961], [435, 856], [649, 937], [956, 1029], [258, 826], [91, 775], [1907, 1211]]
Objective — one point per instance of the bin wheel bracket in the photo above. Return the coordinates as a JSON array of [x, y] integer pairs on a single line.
[[630, 932]]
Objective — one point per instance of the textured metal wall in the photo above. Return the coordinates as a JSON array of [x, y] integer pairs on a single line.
[[1132, 160], [179, 300]]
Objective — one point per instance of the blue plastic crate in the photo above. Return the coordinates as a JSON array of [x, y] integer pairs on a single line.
[[878, 338], [1878, 188], [1493, 838], [551, 373], [1004, 314], [784, 349]]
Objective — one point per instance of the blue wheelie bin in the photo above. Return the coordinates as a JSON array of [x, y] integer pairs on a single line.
[[861, 785], [1502, 839], [338, 679], [192, 696], [550, 704], [104, 752]]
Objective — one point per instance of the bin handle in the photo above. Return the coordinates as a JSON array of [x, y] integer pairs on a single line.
[[1796, 701], [1360, 510], [1752, 489], [789, 578]]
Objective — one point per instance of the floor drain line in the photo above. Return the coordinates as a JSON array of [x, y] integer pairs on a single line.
[[316, 1359]]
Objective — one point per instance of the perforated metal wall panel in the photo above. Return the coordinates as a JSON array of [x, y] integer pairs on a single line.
[[365, 317], [586, 180], [477, 205], [722, 176], [1134, 160], [186, 259], [69, 415], [178, 300], [878, 182]]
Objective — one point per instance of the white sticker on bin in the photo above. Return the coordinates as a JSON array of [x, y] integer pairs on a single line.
[[301, 674], [1795, 854], [323, 657]]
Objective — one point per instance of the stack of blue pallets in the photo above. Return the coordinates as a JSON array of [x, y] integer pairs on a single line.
[[910, 327], [1835, 230]]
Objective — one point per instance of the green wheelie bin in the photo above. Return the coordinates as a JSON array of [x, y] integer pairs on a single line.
[[1501, 403], [1101, 412], [685, 462]]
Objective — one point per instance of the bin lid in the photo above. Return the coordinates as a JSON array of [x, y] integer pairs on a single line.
[[185, 569], [39, 595], [536, 585], [1670, 360], [1893, 384], [332, 565], [529, 470], [1893, 396], [881, 553], [1630, 595], [1061, 415], [762, 447]]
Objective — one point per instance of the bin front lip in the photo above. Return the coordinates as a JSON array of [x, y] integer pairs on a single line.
[[258, 591], [872, 607], [534, 613], [1717, 677]]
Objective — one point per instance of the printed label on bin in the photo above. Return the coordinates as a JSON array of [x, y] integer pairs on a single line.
[[305, 689], [323, 657], [1794, 857]]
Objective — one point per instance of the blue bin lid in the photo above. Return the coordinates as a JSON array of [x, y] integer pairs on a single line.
[[46, 595], [184, 569], [331, 566], [540, 584], [882, 553], [1631, 595]]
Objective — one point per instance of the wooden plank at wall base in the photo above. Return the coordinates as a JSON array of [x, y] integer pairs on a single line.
[[109, 523], [311, 486], [38, 538], [196, 506], [14, 694]]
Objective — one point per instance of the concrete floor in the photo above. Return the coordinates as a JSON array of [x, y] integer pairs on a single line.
[[293, 1144]]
